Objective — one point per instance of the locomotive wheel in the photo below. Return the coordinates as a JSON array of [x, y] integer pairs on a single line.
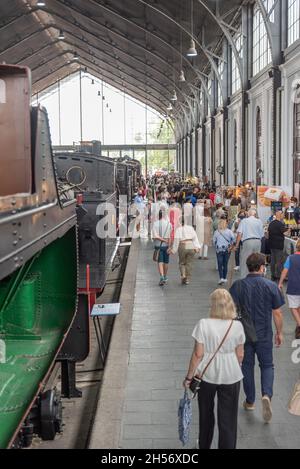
[[50, 414]]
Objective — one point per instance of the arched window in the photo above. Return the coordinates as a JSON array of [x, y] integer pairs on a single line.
[[296, 143], [221, 73], [259, 171], [236, 80], [261, 45], [293, 21], [235, 169]]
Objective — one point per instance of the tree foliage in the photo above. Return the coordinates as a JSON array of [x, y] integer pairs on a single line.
[[159, 159]]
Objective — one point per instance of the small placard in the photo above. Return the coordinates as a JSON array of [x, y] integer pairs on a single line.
[[108, 309]]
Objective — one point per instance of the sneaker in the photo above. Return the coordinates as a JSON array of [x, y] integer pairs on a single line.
[[166, 279], [225, 280], [161, 282], [266, 409], [248, 407], [221, 281], [183, 280], [186, 281], [237, 268]]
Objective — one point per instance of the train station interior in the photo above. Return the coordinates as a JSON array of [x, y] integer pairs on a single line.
[[149, 224]]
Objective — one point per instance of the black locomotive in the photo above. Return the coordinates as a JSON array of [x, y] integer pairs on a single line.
[[51, 259]]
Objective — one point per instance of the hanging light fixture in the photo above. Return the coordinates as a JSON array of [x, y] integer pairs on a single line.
[[75, 56], [174, 96], [99, 94], [170, 107], [192, 52], [61, 35], [181, 77], [93, 81], [40, 3]]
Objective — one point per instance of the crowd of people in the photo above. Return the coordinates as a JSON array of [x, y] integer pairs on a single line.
[[200, 216]]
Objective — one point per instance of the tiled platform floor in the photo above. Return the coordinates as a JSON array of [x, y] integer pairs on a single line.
[[160, 350]]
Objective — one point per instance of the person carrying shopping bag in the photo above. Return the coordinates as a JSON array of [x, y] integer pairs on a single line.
[[217, 355]]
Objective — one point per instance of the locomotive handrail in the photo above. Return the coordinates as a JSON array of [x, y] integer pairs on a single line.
[[11, 218], [31, 211], [27, 245]]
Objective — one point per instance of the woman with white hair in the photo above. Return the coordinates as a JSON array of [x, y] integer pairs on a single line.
[[250, 232], [216, 359]]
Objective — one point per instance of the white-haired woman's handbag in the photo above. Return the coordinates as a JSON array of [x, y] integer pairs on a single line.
[[196, 381], [294, 402]]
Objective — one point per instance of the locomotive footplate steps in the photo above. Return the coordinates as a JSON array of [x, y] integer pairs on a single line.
[[109, 309], [75, 349]]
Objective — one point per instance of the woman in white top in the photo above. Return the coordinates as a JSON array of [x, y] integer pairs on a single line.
[[223, 376], [186, 243]]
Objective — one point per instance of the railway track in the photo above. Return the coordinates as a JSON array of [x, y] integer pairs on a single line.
[[78, 413]]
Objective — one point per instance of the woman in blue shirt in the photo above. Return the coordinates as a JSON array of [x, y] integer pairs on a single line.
[[223, 241]]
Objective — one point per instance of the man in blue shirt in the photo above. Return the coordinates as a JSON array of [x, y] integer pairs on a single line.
[[262, 300]]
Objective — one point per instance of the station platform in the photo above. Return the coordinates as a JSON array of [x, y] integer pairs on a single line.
[[149, 356]]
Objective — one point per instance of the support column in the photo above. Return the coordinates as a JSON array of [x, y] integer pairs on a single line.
[[59, 112], [246, 64], [80, 104]]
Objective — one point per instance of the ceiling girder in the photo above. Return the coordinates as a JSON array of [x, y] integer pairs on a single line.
[[148, 32], [114, 81]]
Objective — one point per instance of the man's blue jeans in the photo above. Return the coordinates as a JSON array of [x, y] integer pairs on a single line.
[[264, 352], [223, 258]]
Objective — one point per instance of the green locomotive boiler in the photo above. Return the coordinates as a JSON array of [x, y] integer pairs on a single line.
[[38, 264]]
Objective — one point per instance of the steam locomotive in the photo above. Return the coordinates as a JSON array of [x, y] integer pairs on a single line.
[[48, 238]]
